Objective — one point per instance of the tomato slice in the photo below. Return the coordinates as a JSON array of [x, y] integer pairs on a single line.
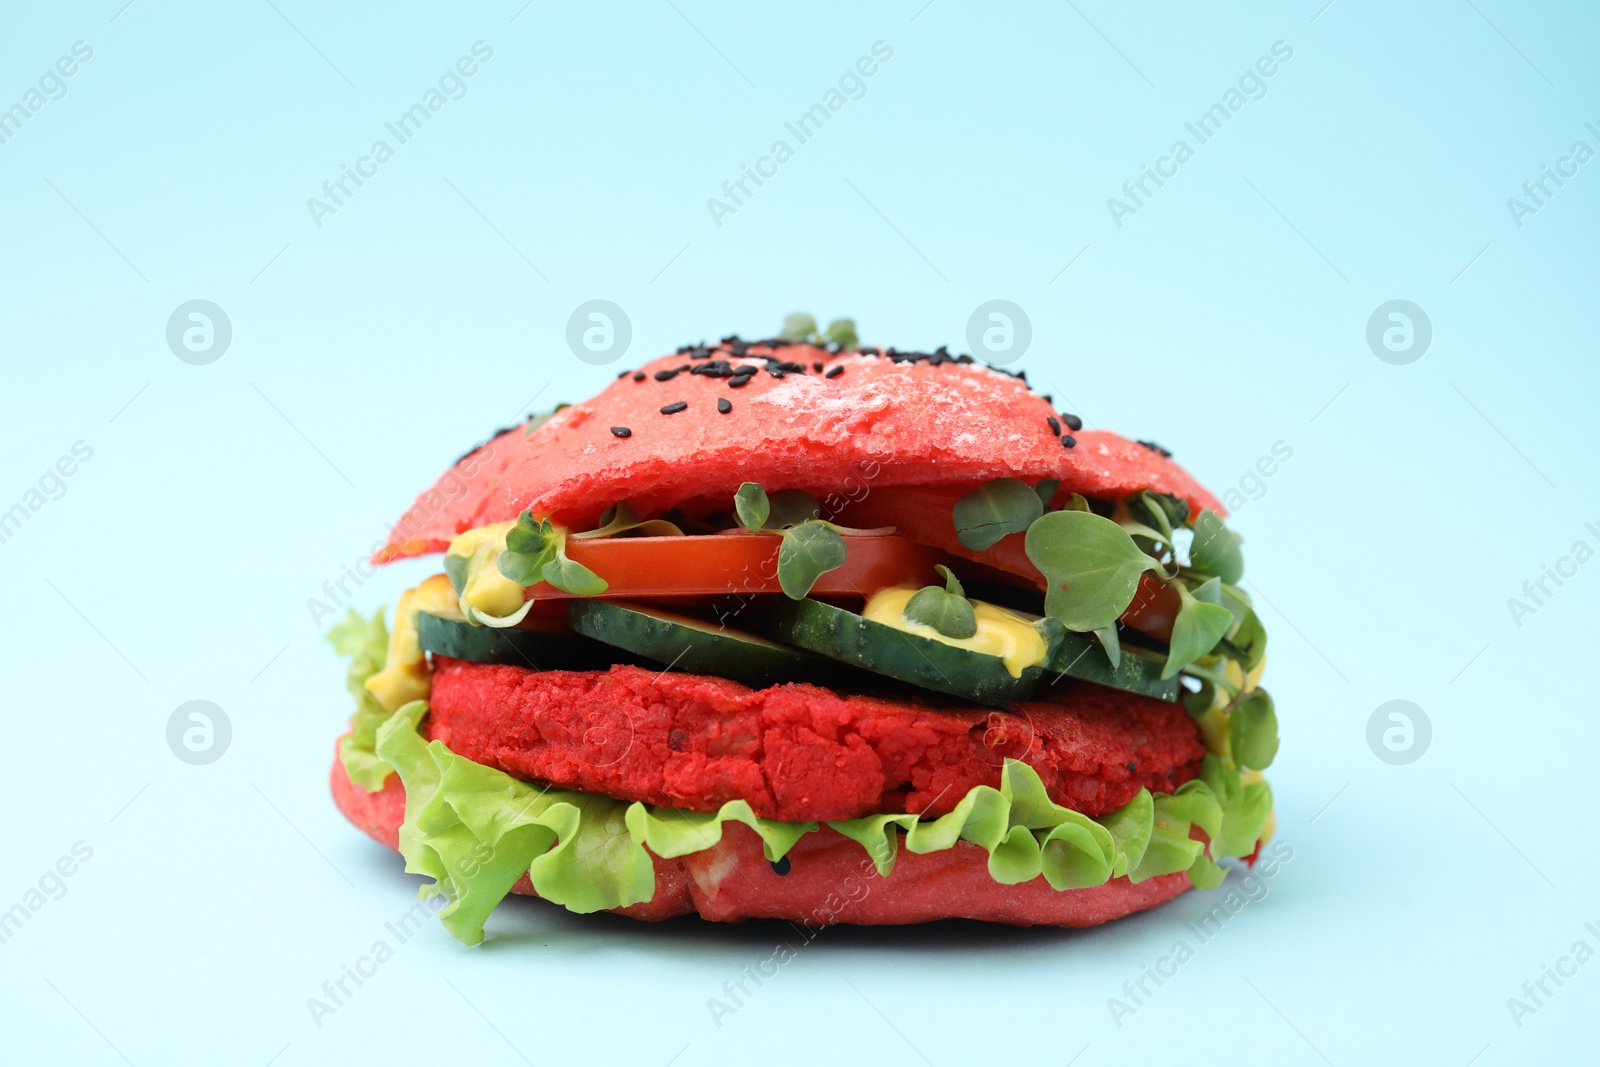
[[738, 563], [923, 513]]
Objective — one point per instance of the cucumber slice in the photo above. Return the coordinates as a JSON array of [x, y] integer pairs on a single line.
[[456, 638], [922, 661], [1080, 656], [695, 646]]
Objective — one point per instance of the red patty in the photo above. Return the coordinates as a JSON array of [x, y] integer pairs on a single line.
[[800, 752], [829, 880]]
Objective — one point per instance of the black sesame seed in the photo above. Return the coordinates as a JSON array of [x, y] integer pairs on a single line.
[[1068, 441], [834, 371], [674, 407], [1055, 424], [624, 374], [666, 375], [739, 381], [817, 366], [1132, 767], [621, 431], [781, 867], [1073, 422], [723, 405]]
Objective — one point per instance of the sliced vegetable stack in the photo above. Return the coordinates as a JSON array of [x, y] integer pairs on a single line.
[[872, 603]]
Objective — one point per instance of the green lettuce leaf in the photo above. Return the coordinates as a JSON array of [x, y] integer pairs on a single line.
[[1244, 807], [365, 642], [475, 831]]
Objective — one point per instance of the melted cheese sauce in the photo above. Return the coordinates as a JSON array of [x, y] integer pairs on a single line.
[[486, 590], [405, 676], [1001, 632]]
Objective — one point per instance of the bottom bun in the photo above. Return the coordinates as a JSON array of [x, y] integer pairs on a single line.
[[828, 879]]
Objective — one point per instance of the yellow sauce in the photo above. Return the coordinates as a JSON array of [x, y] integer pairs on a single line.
[[405, 676], [486, 589], [1001, 632]]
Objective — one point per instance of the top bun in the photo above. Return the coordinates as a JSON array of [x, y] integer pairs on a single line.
[[883, 418]]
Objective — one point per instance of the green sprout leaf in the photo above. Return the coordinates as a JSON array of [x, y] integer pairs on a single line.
[[1091, 564], [1109, 641], [530, 545], [947, 610], [1248, 642], [1076, 502], [1237, 601], [1253, 730], [1046, 490], [620, 519], [993, 510], [1162, 512], [752, 506], [809, 551], [801, 328], [798, 327], [570, 577], [1199, 701], [456, 569], [1215, 550], [1210, 592], [842, 332], [536, 551], [1198, 628]]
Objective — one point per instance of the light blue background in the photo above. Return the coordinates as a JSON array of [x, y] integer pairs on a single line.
[[1226, 315]]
